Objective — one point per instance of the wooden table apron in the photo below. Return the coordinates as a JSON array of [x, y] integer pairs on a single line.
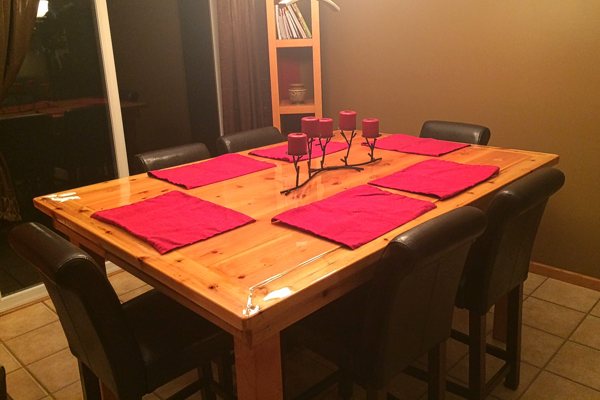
[[256, 280]]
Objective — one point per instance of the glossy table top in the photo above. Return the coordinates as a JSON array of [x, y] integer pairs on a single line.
[[258, 279]]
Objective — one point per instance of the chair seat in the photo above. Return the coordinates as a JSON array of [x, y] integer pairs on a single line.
[[171, 338]]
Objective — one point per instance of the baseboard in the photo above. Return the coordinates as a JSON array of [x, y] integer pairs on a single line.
[[25, 297], [564, 275]]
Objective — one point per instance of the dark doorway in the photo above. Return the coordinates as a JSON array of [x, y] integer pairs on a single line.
[[164, 59]]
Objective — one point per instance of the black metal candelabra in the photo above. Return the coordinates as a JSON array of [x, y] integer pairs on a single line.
[[323, 145]]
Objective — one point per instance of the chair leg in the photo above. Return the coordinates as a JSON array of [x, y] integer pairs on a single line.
[[90, 384], [437, 372], [513, 337], [477, 344]]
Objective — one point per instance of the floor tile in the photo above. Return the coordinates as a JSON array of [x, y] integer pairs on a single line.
[[552, 387], [460, 320], [134, 293], [124, 282], [455, 351], [460, 371], [21, 386], [532, 282], [50, 305], [578, 363], [7, 359], [538, 347], [176, 384], [596, 310], [71, 392], [39, 343], [303, 369], [24, 320], [528, 374], [550, 317], [405, 387], [567, 294], [56, 371], [588, 332]]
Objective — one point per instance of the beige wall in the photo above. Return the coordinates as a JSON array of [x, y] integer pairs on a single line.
[[529, 70]]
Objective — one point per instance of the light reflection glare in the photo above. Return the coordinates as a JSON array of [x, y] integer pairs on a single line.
[[279, 294], [42, 8]]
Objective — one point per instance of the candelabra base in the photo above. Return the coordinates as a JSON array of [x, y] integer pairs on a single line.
[[312, 172]]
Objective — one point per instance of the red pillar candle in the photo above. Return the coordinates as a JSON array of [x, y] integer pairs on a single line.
[[297, 144], [326, 127], [347, 120], [370, 127], [310, 126]]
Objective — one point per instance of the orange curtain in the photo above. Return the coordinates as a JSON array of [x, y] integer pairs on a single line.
[[244, 65]]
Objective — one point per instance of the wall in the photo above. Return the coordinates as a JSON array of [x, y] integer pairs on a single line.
[[530, 70]]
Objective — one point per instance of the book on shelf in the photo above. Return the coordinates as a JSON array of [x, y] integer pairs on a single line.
[[278, 22], [285, 29], [296, 22], [303, 23], [290, 24]]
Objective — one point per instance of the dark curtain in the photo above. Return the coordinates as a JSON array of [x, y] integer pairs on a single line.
[[244, 64], [17, 19]]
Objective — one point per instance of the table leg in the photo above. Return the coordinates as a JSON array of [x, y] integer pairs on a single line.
[[258, 370]]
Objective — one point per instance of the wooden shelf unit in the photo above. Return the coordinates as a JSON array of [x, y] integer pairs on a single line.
[[295, 61]]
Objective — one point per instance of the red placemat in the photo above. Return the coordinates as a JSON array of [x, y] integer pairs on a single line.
[[173, 220], [416, 145], [440, 178], [210, 171], [355, 216], [280, 152]]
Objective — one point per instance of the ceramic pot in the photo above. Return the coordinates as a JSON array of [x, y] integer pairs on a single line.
[[297, 93]]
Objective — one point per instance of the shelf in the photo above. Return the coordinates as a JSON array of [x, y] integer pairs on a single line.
[[279, 43], [308, 107], [293, 61]]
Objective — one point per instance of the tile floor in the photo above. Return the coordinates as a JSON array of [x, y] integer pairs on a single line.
[[561, 350]]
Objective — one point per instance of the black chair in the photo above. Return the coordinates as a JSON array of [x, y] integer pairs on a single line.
[[247, 140], [169, 157], [497, 266], [132, 348], [376, 331], [455, 132]]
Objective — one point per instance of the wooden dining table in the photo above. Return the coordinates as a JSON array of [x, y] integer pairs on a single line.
[[258, 279]]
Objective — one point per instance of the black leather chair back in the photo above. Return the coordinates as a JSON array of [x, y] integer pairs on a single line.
[[412, 294], [87, 306], [499, 259], [456, 132], [169, 157], [247, 140]]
